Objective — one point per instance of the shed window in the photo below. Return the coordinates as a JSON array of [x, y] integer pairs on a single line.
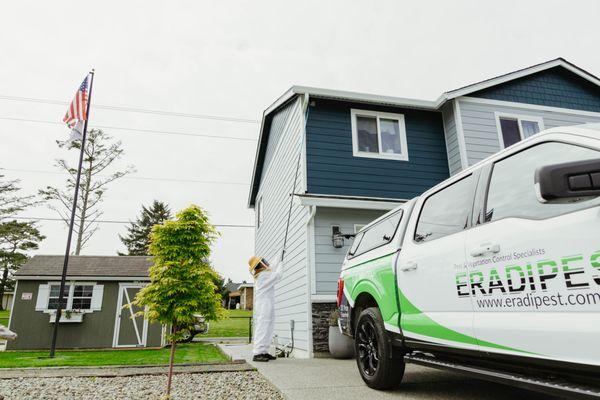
[[378, 135], [54, 296], [75, 297], [514, 128]]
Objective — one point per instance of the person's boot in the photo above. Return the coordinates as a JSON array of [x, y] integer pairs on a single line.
[[260, 358], [271, 357]]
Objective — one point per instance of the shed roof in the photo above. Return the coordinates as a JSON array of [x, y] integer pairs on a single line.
[[82, 266]]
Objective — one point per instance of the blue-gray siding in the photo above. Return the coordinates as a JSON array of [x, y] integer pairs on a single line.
[[555, 87], [291, 294], [328, 259], [332, 168], [451, 136], [481, 133]]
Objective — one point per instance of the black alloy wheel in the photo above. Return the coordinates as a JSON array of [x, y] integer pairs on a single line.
[[379, 366], [368, 351]]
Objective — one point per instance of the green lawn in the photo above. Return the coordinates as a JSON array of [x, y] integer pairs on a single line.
[[4, 317], [186, 353], [230, 327]]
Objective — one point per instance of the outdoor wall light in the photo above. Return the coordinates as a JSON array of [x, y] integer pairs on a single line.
[[337, 237]]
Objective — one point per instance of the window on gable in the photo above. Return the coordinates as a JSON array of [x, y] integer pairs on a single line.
[[378, 135], [514, 128]]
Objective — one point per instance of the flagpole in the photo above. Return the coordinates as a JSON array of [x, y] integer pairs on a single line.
[[73, 209]]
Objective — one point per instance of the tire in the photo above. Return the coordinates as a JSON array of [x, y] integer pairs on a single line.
[[188, 337], [374, 352]]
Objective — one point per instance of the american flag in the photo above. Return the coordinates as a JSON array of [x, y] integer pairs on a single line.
[[78, 107]]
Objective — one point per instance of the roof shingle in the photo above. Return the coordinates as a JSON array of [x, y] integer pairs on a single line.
[[101, 266]]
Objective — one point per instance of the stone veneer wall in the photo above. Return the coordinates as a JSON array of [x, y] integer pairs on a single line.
[[320, 326]]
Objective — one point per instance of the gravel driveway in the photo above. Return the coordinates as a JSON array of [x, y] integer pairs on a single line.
[[216, 385]]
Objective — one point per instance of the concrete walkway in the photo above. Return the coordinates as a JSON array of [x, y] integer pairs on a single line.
[[324, 378], [113, 371]]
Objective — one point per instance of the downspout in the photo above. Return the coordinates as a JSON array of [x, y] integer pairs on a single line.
[[312, 210]]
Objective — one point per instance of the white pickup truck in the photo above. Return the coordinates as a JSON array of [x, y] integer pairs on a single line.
[[494, 272]]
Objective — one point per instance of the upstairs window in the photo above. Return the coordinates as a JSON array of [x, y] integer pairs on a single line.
[[514, 128], [378, 135]]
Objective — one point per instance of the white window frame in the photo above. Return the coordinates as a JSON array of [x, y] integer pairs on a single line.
[[520, 118], [358, 227], [70, 297], [403, 156]]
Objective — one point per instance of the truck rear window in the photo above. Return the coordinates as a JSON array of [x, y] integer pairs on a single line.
[[446, 212], [376, 235]]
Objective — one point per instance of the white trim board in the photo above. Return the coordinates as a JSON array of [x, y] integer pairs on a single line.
[[460, 136], [348, 203], [12, 307], [82, 278], [323, 298], [526, 106]]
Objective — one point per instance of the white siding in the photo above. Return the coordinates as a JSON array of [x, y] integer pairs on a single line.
[[328, 260], [291, 295], [481, 132], [450, 133]]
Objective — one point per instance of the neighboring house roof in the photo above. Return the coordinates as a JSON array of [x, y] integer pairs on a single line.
[[366, 98], [86, 266]]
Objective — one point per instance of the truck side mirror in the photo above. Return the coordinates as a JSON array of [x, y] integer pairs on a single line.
[[568, 182]]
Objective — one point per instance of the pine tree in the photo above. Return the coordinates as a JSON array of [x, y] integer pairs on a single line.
[[16, 238], [137, 238]]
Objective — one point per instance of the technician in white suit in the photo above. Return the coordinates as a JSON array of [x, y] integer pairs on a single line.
[[265, 279]]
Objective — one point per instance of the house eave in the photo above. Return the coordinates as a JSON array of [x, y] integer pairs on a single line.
[[80, 278], [355, 202]]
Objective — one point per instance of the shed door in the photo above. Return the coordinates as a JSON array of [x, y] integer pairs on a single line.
[[131, 330]]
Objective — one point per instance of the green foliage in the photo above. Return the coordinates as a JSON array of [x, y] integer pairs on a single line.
[[181, 279], [16, 238], [137, 239], [100, 152]]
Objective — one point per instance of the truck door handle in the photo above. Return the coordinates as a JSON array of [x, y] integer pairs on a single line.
[[410, 266], [485, 248]]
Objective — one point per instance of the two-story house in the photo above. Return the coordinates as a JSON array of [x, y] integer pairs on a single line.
[[343, 159]]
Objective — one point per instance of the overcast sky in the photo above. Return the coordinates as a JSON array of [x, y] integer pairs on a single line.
[[232, 59]]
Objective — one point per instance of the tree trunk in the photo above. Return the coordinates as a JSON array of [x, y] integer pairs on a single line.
[[171, 361], [86, 196], [3, 285]]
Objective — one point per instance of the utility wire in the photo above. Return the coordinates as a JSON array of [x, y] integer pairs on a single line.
[[109, 221], [136, 110], [134, 130], [140, 178]]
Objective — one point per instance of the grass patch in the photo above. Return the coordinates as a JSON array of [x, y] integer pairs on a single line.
[[230, 327], [186, 353], [4, 314]]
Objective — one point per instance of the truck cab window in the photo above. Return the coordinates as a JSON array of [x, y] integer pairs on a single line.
[[446, 212], [377, 235], [511, 192]]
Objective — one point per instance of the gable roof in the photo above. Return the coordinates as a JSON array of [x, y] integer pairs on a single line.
[[474, 87], [366, 98], [87, 266]]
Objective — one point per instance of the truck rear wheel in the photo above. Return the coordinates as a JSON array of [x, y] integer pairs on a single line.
[[374, 352]]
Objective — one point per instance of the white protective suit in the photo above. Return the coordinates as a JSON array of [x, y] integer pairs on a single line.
[[264, 307]]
